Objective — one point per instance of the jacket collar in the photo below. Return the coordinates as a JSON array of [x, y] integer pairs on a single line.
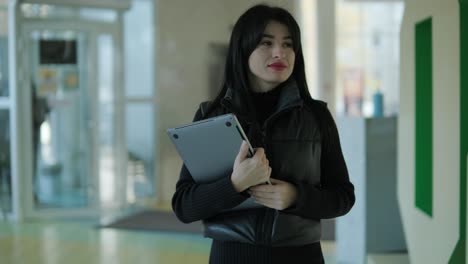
[[288, 98]]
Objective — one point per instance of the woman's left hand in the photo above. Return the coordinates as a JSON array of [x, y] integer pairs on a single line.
[[279, 195]]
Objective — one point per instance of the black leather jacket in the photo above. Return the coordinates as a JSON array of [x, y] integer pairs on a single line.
[[292, 141]]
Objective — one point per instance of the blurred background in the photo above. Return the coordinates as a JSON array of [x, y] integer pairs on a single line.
[[88, 89]]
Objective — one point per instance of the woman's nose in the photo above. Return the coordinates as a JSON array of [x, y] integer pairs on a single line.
[[278, 52]]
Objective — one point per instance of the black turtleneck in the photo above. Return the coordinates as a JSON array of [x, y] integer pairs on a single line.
[[265, 103]]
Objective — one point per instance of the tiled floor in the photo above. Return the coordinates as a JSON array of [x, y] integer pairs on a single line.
[[71, 242]]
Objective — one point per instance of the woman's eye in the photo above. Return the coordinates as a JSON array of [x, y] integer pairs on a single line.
[[266, 43], [288, 45]]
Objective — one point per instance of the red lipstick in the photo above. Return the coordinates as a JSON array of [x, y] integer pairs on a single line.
[[278, 66]]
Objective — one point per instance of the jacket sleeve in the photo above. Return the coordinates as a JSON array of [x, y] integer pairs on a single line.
[[335, 195], [196, 201]]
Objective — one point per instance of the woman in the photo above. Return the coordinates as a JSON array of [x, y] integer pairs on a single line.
[[297, 149]]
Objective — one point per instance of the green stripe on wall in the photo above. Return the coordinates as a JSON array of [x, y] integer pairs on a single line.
[[459, 255], [423, 112]]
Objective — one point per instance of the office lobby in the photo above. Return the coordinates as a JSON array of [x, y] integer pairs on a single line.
[[88, 90]]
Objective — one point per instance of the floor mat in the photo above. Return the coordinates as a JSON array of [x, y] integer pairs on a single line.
[[156, 221]]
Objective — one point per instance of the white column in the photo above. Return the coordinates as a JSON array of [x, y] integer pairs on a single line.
[[308, 23], [121, 111], [17, 194], [326, 52]]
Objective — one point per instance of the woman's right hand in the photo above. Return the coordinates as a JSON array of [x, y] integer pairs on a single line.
[[249, 172]]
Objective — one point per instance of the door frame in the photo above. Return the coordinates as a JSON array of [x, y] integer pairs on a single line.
[[92, 29]]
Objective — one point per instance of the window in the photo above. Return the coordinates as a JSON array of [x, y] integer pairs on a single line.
[[367, 53], [140, 102]]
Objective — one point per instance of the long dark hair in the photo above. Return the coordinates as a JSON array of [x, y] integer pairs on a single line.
[[246, 35]]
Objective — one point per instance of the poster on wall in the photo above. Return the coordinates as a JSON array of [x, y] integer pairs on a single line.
[[47, 82], [70, 80]]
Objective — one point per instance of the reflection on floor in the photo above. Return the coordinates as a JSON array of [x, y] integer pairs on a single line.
[[67, 242]]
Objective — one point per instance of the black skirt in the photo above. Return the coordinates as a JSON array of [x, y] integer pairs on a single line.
[[236, 253]]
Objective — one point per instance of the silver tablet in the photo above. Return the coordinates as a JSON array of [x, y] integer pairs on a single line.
[[209, 148]]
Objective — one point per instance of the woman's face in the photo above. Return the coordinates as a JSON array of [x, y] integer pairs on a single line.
[[272, 61]]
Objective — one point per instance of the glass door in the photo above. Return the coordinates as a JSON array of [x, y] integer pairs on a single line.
[[60, 119], [74, 144]]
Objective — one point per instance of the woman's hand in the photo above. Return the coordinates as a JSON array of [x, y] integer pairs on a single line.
[[280, 195], [250, 171]]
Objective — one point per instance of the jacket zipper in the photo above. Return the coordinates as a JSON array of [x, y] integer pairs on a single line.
[[266, 219], [269, 214]]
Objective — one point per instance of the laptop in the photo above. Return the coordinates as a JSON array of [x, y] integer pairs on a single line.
[[209, 148]]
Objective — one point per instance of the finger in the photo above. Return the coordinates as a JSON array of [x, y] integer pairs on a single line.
[[276, 181], [268, 175], [263, 188], [243, 152], [265, 200], [259, 153], [263, 195]]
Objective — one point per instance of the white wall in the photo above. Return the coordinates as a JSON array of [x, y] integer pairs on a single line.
[[431, 239]]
